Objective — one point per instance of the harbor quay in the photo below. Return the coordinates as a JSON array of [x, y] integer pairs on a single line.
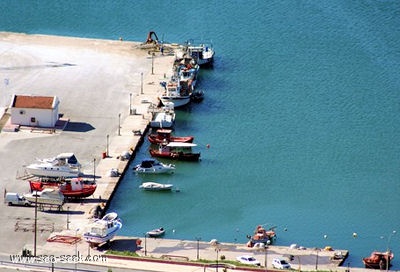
[[107, 91]]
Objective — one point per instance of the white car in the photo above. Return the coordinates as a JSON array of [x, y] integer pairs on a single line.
[[280, 264], [247, 259]]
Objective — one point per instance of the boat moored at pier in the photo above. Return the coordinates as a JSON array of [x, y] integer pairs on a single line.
[[164, 136], [176, 151], [378, 260], [261, 236], [153, 166]]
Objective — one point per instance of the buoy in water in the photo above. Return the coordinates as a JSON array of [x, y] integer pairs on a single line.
[[208, 145]]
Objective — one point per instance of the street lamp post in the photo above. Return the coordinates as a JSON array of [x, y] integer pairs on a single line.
[[35, 236], [130, 104], [119, 124], [266, 255], [152, 63], [141, 82], [94, 169], [76, 251], [198, 247], [68, 218], [388, 249], [108, 137], [316, 261], [145, 244], [217, 250]]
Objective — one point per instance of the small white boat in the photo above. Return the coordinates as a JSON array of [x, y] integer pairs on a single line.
[[164, 118], [153, 166], [154, 186], [63, 165], [156, 232], [103, 230], [48, 196]]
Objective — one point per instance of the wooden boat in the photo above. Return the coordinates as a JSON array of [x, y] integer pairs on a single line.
[[261, 236], [378, 260], [102, 230], [73, 188], [176, 151], [154, 186], [156, 232], [164, 136]]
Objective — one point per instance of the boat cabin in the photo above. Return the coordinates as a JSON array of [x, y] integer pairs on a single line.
[[179, 147]]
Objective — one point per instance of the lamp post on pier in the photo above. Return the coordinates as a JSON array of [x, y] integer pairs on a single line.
[[152, 63], [141, 82], [388, 249], [145, 244], [108, 138], [119, 124], [130, 104], [266, 254], [198, 247], [94, 169], [217, 249]]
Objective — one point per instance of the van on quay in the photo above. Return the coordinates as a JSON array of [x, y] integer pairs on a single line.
[[16, 199]]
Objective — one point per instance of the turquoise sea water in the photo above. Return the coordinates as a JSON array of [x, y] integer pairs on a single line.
[[301, 114]]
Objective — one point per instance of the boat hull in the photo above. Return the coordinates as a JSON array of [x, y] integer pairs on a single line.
[[41, 172], [378, 260], [175, 155], [154, 139], [86, 191], [156, 233], [141, 170], [179, 101], [153, 186]]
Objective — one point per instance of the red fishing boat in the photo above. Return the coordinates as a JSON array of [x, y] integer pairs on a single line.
[[73, 188], [164, 136], [378, 260], [261, 236], [176, 151]]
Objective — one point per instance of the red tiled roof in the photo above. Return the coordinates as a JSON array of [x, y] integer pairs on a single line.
[[36, 102]]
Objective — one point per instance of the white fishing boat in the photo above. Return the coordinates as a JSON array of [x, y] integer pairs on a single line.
[[47, 196], [202, 52], [154, 186], [165, 118], [103, 230], [63, 165], [153, 166], [175, 94]]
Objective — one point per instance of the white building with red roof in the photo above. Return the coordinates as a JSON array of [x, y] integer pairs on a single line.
[[34, 111]]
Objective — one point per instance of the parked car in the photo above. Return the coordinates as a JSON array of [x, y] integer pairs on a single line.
[[247, 259], [16, 199], [280, 264]]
